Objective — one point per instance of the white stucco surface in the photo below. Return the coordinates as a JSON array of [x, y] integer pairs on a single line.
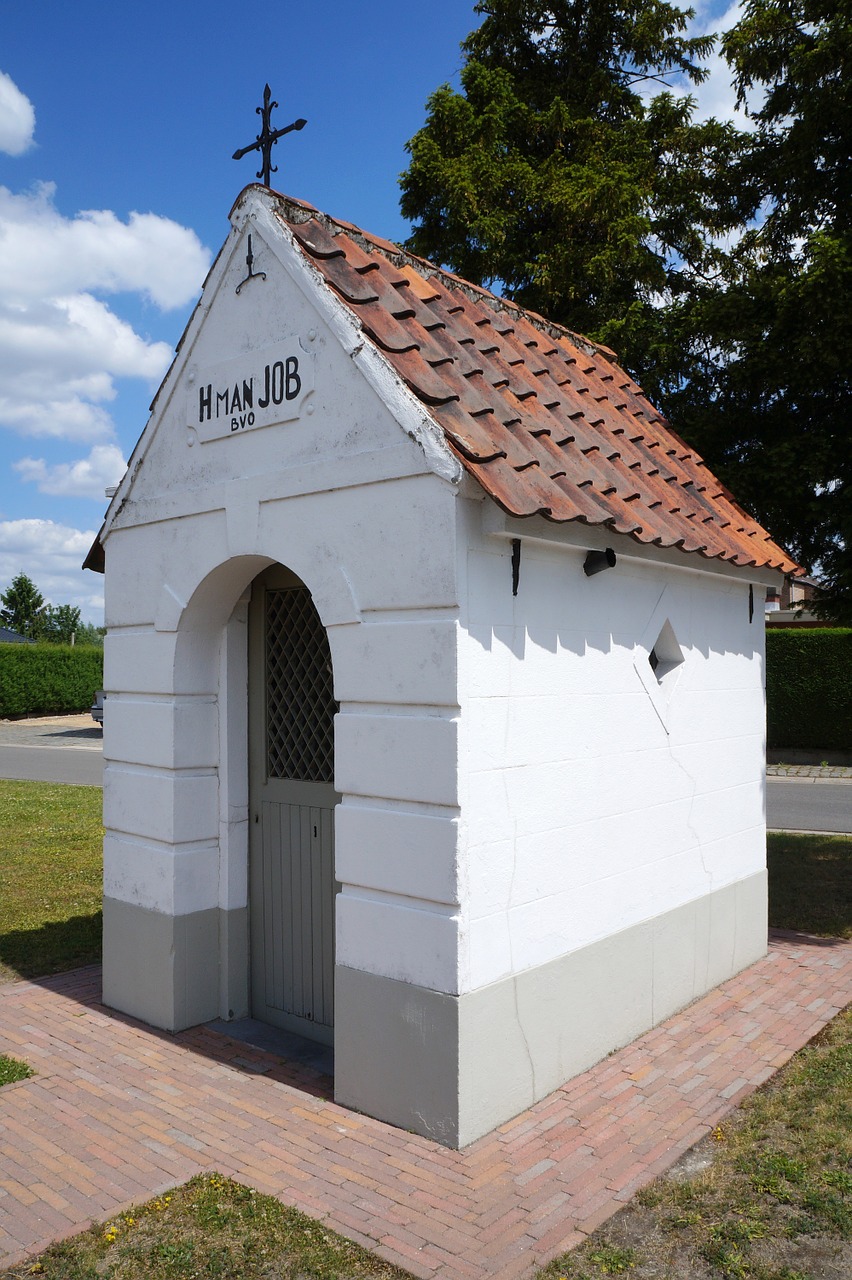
[[595, 796], [409, 852], [178, 879], [344, 492]]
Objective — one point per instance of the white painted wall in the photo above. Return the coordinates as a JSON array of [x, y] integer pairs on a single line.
[[593, 798], [346, 496]]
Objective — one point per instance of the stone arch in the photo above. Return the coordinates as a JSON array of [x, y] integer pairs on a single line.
[[211, 662]]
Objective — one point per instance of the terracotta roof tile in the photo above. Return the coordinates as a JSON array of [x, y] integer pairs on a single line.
[[543, 419]]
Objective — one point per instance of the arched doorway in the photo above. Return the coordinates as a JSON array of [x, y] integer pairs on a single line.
[[291, 808]]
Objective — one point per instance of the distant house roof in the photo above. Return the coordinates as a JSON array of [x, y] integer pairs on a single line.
[[12, 637], [544, 420]]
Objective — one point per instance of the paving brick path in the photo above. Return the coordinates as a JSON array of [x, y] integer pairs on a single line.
[[119, 1112]]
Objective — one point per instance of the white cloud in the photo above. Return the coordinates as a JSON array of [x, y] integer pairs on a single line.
[[61, 347], [43, 253], [716, 97], [58, 358], [51, 555], [85, 478], [60, 416], [17, 118]]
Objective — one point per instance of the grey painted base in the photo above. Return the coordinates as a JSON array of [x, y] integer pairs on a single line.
[[450, 1068], [174, 971], [396, 1053], [453, 1068]]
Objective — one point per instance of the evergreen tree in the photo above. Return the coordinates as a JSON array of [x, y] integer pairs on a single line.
[[23, 607], [775, 413], [550, 177], [717, 263]]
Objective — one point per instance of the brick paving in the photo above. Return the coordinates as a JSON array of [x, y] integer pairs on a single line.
[[119, 1112]]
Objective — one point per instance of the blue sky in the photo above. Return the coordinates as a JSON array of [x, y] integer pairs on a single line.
[[117, 126]]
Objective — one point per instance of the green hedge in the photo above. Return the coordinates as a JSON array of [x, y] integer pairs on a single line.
[[48, 679], [809, 687]]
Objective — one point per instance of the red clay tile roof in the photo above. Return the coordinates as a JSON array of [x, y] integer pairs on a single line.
[[545, 420]]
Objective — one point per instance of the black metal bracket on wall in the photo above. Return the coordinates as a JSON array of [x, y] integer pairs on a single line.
[[516, 564], [597, 561]]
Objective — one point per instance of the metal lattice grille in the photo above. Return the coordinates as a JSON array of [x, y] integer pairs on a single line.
[[300, 702]]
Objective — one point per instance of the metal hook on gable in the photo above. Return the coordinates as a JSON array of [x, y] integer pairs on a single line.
[[252, 275]]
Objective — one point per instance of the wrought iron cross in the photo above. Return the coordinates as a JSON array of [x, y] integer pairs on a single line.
[[267, 137]]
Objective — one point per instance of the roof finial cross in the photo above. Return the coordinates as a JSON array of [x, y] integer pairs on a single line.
[[267, 137]]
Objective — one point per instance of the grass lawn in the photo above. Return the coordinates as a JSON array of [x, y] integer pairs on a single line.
[[208, 1229], [767, 1197], [51, 875]]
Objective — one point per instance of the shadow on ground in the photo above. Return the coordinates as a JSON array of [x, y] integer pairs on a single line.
[[51, 948], [286, 1059], [93, 734], [810, 883]]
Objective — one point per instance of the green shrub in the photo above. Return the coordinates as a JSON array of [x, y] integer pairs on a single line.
[[809, 688], [48, 679]]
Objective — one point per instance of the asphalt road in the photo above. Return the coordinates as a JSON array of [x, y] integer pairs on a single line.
[[52, 749], [808, 804]]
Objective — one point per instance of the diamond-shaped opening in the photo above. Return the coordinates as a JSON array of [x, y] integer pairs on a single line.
[[666, 654]]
